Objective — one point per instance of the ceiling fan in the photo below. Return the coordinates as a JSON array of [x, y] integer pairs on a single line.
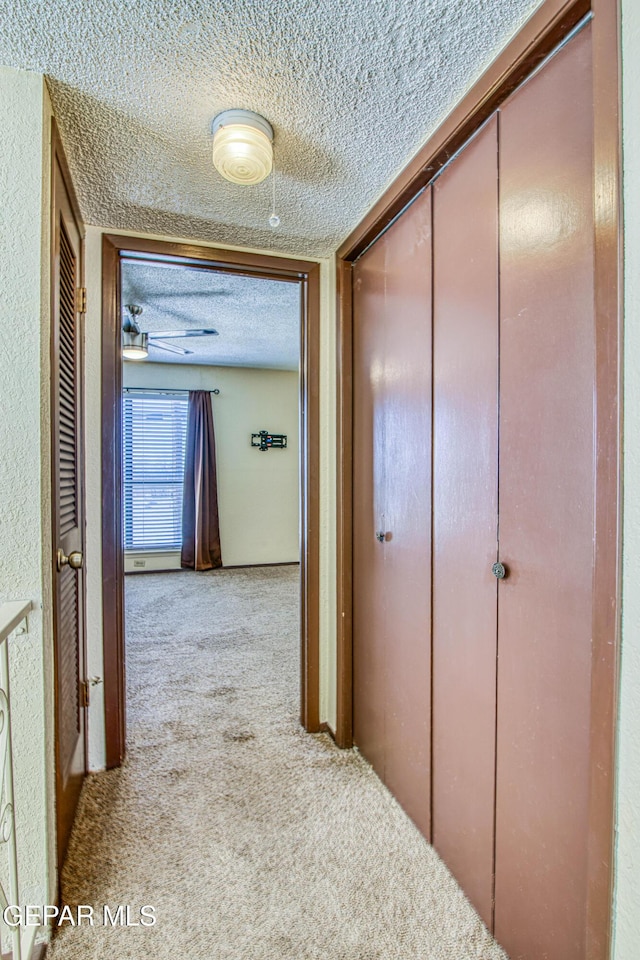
[[135, 342]]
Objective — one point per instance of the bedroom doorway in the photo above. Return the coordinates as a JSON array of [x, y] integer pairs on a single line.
[[237, 334]]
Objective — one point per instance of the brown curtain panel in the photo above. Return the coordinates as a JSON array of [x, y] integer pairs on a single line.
[[200, 527]]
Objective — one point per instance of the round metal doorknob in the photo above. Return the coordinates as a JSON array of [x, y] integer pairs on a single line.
[[499, 571], [74, 559], [380, 535]]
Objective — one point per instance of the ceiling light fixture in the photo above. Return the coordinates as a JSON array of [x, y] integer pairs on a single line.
[[135, 343], [135, 346], [242, 146]]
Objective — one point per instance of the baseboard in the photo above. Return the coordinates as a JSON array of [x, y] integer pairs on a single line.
[[179, 569], [151, 561], [249, 566]]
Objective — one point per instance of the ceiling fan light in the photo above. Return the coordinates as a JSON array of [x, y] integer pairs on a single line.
[[135, 346], [242, 146]]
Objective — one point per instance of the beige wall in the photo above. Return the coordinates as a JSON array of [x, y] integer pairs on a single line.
[[25, 484], [93, 486], [258, 499], [627, 893], [94, 492]]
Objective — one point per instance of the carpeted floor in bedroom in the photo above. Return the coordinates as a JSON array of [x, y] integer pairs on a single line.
[[252, 839]]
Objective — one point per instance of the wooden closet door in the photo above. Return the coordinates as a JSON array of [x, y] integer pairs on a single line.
[[392, 498], [546, 509], [465, 513], [369, 615], [68, 510]]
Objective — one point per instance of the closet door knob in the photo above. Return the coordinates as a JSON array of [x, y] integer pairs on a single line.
[[74, 560], [499, 571], [380, 535]]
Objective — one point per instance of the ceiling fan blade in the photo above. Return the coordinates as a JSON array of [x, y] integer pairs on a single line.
[[168, 347], [175, 334], [177, 315], [185, 294]]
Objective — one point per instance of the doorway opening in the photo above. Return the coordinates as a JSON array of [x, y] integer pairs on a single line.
[[255, 482]]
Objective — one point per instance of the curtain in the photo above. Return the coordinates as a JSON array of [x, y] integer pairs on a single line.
[[200, 527]]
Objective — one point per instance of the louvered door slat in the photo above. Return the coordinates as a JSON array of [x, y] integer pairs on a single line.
[[68, 661], [67, 373]]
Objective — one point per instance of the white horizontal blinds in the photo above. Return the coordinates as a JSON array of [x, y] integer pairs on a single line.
[[154, 436]]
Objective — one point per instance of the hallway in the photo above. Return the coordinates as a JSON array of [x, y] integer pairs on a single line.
[[250, 838]]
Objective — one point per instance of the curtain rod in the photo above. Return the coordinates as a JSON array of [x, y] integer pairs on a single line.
[[168, 393]]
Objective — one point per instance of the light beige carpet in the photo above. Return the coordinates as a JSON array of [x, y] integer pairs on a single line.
[[252, 839]]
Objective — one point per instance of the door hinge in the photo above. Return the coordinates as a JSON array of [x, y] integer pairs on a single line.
[[84, 693], [82, 299]]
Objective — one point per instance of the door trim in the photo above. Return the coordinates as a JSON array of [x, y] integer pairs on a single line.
[[307, 274], [548, 26]]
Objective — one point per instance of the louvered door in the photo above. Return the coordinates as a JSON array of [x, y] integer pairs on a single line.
[[68, 509]]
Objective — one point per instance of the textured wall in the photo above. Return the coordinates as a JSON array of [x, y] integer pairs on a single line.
[[257, 492], [94, 493], [627, 899], [25, 549]]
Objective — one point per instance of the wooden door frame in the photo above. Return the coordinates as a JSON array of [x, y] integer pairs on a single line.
[[548, 26], [307, 274], [58, 157]]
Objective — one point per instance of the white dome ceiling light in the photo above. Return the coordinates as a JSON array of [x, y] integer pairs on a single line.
[[242, 146]]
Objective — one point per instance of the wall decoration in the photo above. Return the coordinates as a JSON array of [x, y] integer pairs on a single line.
[[266, 441]]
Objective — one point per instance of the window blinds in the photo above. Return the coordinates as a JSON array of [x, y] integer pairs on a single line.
[[154, 437]]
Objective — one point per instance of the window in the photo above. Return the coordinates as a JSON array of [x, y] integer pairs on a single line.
[[154, 437]]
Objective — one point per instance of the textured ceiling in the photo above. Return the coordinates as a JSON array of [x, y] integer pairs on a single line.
[[351, 89], [257, 320]]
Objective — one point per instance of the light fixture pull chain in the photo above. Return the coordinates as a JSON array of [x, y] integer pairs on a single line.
[[274, 219]]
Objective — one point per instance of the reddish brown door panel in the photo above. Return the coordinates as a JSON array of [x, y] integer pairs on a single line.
[[546, 509], [406, 478], [368, 554], [465, 514], [68, 511], [392, 498]]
